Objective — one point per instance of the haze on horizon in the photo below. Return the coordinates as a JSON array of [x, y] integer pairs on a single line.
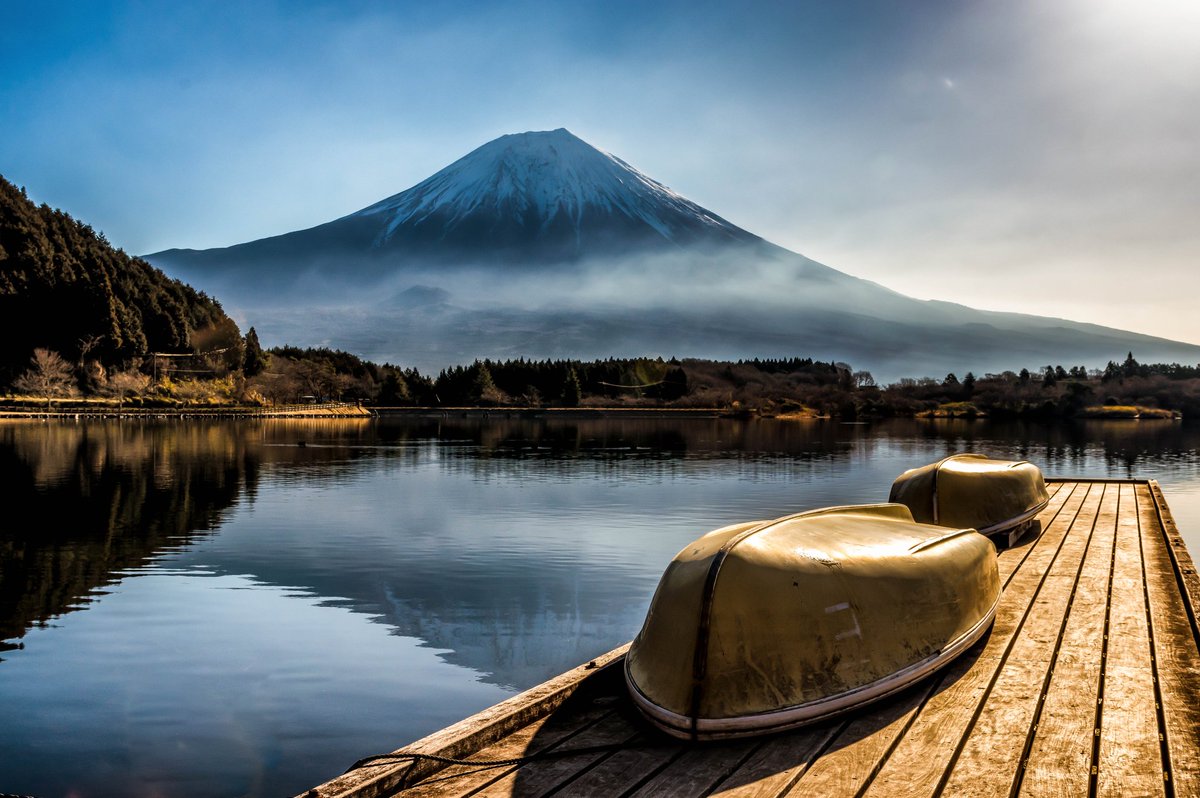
[[1016, 156]]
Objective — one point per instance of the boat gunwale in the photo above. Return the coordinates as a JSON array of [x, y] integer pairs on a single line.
[[1016, 521]]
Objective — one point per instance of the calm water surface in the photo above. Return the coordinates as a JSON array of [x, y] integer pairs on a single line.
[[213, 608]]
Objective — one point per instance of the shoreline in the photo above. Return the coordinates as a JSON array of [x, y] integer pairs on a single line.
[[362, 411], [354, 410], [330, 410]]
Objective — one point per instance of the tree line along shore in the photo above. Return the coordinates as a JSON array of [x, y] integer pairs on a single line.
[[247, 376]]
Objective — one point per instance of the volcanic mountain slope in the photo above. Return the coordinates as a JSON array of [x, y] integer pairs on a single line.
[[539, 245], [522, 201]]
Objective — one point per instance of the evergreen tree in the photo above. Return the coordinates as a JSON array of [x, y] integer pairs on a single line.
[[1075, 398], [393, 390], [483, 387], [255, 360], [675, 385], [63, 286], [1130, 367], [572, 391]]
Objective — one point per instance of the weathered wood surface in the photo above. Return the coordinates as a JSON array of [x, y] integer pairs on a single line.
[[1087, 684], [1177, 665]]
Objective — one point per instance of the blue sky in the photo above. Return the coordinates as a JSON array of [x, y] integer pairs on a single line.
[[1005, 154]]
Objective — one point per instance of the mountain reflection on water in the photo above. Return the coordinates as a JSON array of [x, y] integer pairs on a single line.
[[507, 549], [517, 549]]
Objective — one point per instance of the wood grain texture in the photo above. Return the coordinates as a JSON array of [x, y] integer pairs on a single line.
[[468, 736], [778, 763], [541, 777], [625, 771], [1060, 758], [1010, 559], [1130, 762], [990, 759], [920, 759], [856, 755], [700, 768], [1185, 567], [542, 735], [1176, 652]]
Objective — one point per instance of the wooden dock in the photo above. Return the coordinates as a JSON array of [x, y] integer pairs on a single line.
[[1088, 684]]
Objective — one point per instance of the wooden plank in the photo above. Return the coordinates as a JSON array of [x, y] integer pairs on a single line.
[[856, 755], [1185, 568], [778, 763], [1010, 559], [1176, 653], [918, 762], [1098, 480], [1024, 533], [542, 735], [1060, 758], [989, 760], [544, 776], [701, 767], [625, 771], [1129, 762], [468, 736]]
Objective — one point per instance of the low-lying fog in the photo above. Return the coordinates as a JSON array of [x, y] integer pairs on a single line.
[[724, 306]]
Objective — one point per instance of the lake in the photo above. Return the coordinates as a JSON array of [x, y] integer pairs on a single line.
[[199, 608]]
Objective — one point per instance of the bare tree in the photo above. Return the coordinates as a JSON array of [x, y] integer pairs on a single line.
[[863, 379], [86, 344], [317, 377], [48, 375], [92, 374], [124, 384]]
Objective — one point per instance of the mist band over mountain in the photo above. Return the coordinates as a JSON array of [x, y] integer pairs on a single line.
[[539, 245]]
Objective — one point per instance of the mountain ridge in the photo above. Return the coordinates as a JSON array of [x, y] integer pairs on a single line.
[[537, 197]]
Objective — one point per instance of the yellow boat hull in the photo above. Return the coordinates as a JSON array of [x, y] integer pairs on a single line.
[[761, 627], [970, 490]]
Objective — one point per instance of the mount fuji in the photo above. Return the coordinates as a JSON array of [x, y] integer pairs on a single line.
[[539, 245], [523, 201]]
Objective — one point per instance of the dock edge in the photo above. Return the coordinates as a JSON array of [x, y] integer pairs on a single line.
[[467, 736]]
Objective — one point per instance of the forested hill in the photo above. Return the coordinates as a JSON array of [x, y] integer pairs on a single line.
[[65, 288]]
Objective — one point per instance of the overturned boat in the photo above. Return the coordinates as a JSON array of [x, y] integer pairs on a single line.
[[970, 490], [765, 626]]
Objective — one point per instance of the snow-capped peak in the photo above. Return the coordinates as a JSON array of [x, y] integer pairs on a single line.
[[544, 181]]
